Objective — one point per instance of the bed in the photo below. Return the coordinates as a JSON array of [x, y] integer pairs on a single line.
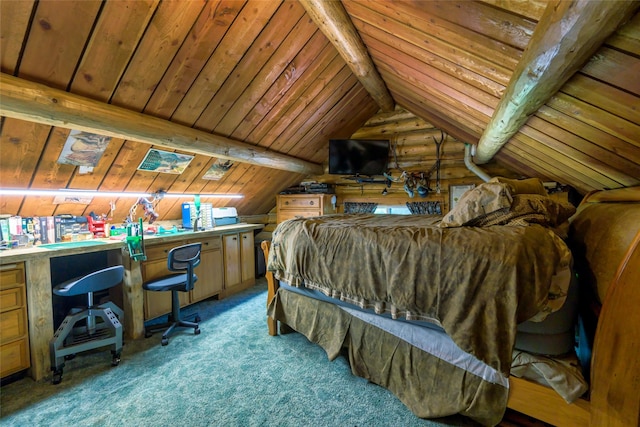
[[468, 312]]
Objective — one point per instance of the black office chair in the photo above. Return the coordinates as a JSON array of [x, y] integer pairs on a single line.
[[100, 325], [182, 258]]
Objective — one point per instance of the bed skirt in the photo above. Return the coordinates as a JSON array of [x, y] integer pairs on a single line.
[[428, 385]]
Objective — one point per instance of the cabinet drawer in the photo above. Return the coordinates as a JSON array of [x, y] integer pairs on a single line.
[[285, 215], [210, 244], [309, 202], [11, 275], [11, 299], [14, 357], [12, 325], [160, 251]]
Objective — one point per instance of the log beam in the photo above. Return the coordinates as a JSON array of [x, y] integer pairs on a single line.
[[334, 21], [38, 103], [566, 36]]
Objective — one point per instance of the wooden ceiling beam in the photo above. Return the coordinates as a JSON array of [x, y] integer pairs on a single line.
[[566, 36], [38, 103], [334, 21]]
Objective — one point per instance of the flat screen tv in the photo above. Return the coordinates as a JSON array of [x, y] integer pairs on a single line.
[[358, 156]]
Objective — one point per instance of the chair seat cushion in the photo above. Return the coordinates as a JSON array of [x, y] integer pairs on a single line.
[[175, 282], [93, 282]]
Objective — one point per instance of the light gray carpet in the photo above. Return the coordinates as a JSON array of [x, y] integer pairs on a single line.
[[232, 374]]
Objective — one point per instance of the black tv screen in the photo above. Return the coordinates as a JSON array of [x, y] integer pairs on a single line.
[[358, 156]]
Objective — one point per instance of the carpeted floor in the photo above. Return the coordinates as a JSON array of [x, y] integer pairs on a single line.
[[232, 374]]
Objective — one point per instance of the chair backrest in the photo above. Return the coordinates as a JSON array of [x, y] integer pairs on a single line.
[[94, 282], [185, 258]]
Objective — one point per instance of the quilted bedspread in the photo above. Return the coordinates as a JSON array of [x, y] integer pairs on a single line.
[[477, 283]]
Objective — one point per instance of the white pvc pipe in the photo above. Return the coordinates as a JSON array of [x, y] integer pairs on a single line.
[[472, 166]]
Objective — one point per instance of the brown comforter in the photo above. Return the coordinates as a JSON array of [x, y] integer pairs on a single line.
[[478, 283]]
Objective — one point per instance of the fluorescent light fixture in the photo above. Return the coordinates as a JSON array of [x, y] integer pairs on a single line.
[[111, 194]]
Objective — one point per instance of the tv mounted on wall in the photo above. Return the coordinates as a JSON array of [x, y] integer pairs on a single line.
[[358, 156]]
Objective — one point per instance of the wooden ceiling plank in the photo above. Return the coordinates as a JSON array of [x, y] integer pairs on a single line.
[[567, 35], [237, 40], [597, 118], [604, 96], [432, 27], [303, 68], [14, 23], [276, 45], [616, 68], [117, 32], [162, 39], [567, 139], [435, 79], [297, 99], [56, 41], [498, 24], [627, 38], [431, 49], [335, 23], [204, 37], [531, 9], [35, 102]]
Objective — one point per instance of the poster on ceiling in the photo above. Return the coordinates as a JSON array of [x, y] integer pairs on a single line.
[[165, 162], [83, 149], [218, 169]]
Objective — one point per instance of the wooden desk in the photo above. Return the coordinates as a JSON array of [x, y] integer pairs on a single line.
[[37, 261]]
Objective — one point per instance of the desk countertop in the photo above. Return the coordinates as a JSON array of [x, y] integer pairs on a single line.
[[8, 256]]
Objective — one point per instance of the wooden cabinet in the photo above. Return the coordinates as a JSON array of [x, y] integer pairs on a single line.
[[209, 272], [303, 205], [14, 331], [239, 261]]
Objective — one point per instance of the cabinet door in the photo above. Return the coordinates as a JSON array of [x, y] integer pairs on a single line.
[[158, 303], [248, 258], [232, 265], [210, 271]]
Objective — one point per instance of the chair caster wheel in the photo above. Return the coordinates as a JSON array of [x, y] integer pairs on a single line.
[[147, 334], [197, 319], [57, 377], [70, 356], [115, 361], [196, 331], [164, 341]]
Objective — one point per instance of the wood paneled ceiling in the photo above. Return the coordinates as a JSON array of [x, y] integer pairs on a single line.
[[247, 78]]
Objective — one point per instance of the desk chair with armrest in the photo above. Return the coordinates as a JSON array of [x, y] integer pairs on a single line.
[[182, 259], [89, 327]]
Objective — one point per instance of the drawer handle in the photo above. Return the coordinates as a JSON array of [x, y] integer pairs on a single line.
[[311, 202], [286, 203], [235, 238]]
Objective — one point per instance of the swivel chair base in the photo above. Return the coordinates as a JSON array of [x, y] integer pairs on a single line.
[[175, 321]]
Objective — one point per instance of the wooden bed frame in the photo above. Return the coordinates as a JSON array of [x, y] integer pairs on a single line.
[[615, 365]]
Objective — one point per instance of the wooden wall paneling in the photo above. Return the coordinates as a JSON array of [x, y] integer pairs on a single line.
[[204, 37], [238, 39], [484, 19], [162, 39], [14, 23], [302, 70], [598, 147], [250, 89], [303, 92], [420, 20], [55, 44], [395, 34], [115, 36]]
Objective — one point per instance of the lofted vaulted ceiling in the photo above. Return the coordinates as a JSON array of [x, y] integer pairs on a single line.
[[259, 83]]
